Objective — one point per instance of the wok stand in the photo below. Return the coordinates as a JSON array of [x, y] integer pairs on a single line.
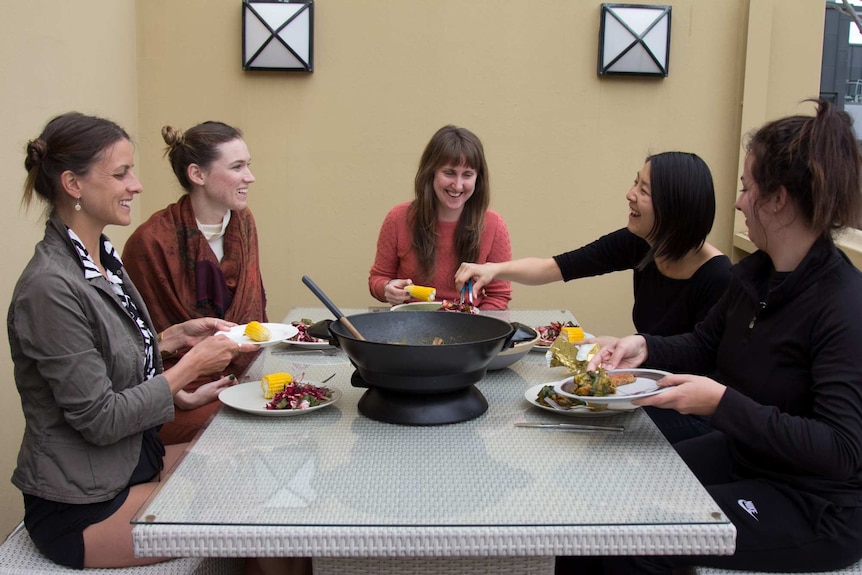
[[438, 408]]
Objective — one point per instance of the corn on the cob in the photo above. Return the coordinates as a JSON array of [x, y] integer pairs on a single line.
[[573, 333], [256, 331], [421, 293], [273, 383]]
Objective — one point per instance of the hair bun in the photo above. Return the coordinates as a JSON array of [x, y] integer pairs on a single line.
[[172, 136], [36, 151]]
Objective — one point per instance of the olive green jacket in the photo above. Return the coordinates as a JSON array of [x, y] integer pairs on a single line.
[[79, 359]]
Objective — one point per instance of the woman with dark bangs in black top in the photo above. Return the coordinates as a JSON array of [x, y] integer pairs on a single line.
[[678, 276]]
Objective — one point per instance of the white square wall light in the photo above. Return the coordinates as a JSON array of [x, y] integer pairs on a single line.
[[634, 40], [277, 35]]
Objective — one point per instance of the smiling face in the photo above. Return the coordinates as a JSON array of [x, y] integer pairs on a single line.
[[639, 197], [107, 189], [453, 186], [224, 183]]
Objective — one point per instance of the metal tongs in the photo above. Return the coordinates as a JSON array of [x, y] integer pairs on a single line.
[[467, 288]]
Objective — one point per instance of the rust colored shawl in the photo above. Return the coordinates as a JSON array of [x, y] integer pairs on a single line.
[[179, 277]]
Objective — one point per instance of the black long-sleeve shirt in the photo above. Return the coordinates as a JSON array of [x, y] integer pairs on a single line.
[[662, 305], [790, 358]]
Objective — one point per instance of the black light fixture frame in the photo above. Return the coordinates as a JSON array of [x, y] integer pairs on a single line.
[[665, 12], [248, 5]]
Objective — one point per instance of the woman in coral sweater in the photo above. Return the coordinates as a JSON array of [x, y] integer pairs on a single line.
[[424, 241]]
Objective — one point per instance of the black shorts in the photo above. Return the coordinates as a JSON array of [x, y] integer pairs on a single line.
[[57, 529]]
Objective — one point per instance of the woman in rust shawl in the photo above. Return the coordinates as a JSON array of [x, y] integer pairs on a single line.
[[199, 257]]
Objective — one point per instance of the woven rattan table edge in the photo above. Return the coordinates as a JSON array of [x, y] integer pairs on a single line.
[[272, 541]]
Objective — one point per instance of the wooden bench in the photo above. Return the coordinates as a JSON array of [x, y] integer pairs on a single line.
[[19, 556]]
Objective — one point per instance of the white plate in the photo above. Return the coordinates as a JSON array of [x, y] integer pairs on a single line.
[[644, 379], [249, 398], [278, 333], [317, 344], [417, 306], [541, 346], [322, 344], [578, 410]]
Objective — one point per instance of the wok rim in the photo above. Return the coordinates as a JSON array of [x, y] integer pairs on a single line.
[[347, 335]]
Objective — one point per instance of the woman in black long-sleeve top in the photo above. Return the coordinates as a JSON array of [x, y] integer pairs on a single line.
[[677, 277]]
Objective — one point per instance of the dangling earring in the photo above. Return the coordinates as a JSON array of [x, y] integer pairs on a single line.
[[77, 204]]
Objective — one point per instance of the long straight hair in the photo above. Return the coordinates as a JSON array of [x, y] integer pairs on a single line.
[[453, 146]]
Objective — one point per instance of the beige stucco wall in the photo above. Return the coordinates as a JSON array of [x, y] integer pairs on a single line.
[[334, 150], [54, 57]]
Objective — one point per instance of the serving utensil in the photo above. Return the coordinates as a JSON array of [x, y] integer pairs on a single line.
[[331, 307], [467, 288], [573, 426]]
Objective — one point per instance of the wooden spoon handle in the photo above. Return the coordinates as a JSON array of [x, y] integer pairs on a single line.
[[350, 327], [331, 306]]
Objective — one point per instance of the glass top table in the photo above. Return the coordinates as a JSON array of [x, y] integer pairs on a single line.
[[334, 483]]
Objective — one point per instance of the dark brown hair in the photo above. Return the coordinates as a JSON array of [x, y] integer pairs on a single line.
[[197, 145], [454, 146], [71, 141], [817, 160]]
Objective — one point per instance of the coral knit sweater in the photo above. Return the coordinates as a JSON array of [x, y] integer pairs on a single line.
[[396, 259]]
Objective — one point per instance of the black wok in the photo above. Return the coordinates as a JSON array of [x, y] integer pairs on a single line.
[[398, 353]]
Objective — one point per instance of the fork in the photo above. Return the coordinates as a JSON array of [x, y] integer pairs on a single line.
[[559, 407], [555, 405], [643, 391]]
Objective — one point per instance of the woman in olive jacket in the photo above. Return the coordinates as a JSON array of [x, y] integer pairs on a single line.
[[86, 357]]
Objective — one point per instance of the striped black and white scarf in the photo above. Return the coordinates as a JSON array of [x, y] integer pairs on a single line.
[[113, 270]]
